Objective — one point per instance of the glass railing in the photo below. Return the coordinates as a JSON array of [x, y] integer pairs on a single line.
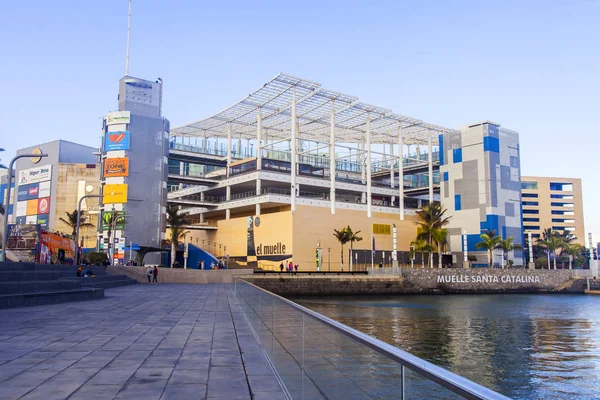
[[197, 149], [319, 358], [192, 172]]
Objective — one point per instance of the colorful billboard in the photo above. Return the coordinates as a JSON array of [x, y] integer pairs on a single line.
[[114, 193], [23, 177], [118, 117], [107, 220], [32, 191], [116, 141], [42, 220], [43, 206], [22, 242], [32, 206], [45, 173], [23, 193], [115, 167]]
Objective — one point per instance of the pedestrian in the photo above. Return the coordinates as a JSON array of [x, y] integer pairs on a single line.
[[149, 273], [202, 264], [199, 265], [296, 268], [155, 274], [290, 267], [281, 267]]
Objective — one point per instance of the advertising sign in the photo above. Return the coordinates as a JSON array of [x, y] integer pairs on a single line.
[[23, 193], [32, 191], [114, 193], [31, 219], [116, 141], [24, 177], [34, 175], [21, 208], [44, 190], [43, 221], [114, 167], [44, 205], [45, 173], [22, 242], [21, 220], [118, 117], [107, 220], [32, 206]]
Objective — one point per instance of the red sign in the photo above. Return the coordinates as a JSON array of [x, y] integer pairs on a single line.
[[116, 137], [43, 205], [33, 191]]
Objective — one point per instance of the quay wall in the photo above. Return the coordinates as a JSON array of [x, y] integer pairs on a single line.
[[427, 281], [179, 275]]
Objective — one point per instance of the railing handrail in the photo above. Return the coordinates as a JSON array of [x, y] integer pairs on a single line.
[[449, 380]]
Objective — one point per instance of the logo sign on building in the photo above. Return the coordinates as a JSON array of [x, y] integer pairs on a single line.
[[44, 189], [21, 208], [114, 193], [34, 175], [36, 160], [21, 220], [32, 206], [32, 191], [118, 117], [116, 141], [23, 193], [31, 219], [114, 167], [24, 177], [43, 205], [43, 221], [45, 173], [108, 221]]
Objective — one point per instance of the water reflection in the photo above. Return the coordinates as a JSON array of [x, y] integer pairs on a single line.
[[524, 346]]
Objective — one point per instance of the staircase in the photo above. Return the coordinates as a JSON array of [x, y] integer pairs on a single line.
[[30, 284]]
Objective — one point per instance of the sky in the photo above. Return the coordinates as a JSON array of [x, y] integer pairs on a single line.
[[531, 66]]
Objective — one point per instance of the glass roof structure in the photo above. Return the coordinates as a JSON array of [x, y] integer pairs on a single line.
[[313, 107]]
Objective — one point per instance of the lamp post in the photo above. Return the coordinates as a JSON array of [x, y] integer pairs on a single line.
[[7, 201], [78, 221]]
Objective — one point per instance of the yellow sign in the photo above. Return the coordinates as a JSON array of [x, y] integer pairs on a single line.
[[36, 160], [32, 207], [114, 193]]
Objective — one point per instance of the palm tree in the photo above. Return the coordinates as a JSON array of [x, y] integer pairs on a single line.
[[72, 219], [568, 247], [439, 236], [2, 165], [507, 245], [421, 246], [177, 223], [431, 218], [551, 241], [489, 241], [352, 237], [343, 237]]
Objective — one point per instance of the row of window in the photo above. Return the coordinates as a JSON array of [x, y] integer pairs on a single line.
[[559, 186]]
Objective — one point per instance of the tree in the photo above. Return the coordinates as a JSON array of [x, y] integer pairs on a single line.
[[352, 237], [439, 237], [421, 246], [1, 209], [507, 245], [551, 241], [489, 241], [569, 248], [177, 223], [343, 238], [431, 217], [72, 218]]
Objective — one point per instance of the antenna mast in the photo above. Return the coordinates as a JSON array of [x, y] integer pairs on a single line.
[[128, 39]]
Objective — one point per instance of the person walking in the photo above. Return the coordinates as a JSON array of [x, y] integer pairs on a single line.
[[281, 267], [155, 274], [290, 267], [149, 273]]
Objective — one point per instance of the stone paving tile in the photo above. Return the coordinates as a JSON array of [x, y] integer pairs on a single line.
[[139, 342]]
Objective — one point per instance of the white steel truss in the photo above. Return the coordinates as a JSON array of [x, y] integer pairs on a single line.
[[313, 110]]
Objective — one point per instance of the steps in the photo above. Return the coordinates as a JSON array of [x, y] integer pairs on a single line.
[[104, 282], [30, 284]]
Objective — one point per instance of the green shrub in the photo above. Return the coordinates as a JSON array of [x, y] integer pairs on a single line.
[[97, 257]]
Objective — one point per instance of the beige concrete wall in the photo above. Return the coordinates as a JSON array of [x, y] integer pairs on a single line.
[[178, 275], [545, 208]]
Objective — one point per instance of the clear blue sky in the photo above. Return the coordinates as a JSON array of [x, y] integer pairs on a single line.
[[530, 65]]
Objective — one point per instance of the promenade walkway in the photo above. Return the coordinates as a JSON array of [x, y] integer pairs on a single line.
[[139, 342]]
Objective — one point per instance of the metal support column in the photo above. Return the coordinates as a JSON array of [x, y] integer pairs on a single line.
[[294, 150], [227, 198], [430, 162], [258, 191], [258, 158], [228, 147], [392, 165], [332, 158], [368, 167], [401, 172]]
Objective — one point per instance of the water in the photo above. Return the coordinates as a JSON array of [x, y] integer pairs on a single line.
[[523, 346]]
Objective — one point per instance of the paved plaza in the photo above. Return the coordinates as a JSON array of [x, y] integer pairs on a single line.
[[163, 341]]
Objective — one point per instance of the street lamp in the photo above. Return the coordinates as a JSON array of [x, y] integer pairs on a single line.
[[7, 201], [78, 221]]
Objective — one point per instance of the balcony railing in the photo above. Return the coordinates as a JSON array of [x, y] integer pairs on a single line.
[[317, 357]]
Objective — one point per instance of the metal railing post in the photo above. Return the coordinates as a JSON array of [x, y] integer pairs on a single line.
[[402, 397]]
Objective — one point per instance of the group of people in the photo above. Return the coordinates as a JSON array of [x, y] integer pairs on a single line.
[[82, 272], [290, 267], [152, 274], [221, 264]]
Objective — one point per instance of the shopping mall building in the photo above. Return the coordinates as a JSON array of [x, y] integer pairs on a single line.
[[269, 178]]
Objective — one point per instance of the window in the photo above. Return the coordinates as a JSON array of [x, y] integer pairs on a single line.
[[457, 203], [571, 205], [558, 228], [560, 212], [562, 186], [529, 185], [532, 227], [531, 211], [531, 220], [457, 155], [563, 221], [562, 196], [381, 229], [531, 195], [531, 203]]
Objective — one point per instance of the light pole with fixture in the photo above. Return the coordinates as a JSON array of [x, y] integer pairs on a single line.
[[79, 221]]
